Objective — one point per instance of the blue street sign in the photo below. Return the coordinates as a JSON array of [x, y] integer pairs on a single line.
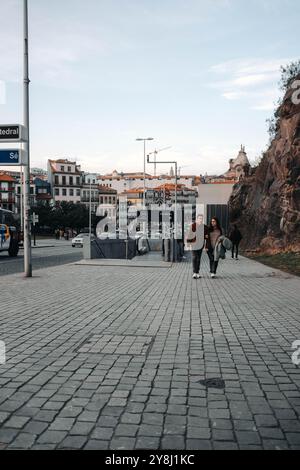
[[10, 157]]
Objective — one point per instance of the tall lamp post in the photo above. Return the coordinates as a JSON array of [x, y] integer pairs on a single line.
[[144, 140], [90, 211], [26, 187], [175, 215]]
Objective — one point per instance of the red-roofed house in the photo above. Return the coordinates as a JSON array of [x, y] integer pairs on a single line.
[[7, 192]]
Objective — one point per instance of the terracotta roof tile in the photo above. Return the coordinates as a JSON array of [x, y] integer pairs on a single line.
[[6, 178]]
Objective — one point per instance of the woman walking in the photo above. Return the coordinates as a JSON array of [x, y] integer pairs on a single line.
[[214, 233]]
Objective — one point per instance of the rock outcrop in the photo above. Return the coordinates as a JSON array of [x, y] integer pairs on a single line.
[[266, 205]]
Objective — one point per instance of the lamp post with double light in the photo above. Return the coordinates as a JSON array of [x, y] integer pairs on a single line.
[[144, 140]]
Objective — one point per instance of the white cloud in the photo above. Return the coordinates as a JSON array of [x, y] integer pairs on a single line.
[[253, 79], [233, 95], [264, 106], [59, 49]]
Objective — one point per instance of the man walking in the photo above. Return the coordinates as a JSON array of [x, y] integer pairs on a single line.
[[235, 237], [195, 239]]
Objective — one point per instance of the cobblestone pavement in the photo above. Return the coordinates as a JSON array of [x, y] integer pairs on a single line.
[[114, 358]]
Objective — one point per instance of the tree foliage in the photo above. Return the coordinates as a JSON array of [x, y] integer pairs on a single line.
[[64, 215], [289, 73]]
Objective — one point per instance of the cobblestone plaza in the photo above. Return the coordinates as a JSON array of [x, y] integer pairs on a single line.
[[112, 357]]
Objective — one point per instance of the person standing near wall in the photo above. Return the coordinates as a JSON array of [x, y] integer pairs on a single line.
[[236, 238]]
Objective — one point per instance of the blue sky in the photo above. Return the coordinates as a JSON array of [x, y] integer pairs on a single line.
[[198, 75]]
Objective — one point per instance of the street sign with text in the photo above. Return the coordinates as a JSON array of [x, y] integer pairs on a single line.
[[13, 133], [35, 219], [12, 157]]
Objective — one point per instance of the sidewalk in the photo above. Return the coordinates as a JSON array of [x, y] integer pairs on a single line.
[[108, 357], [49, 243]]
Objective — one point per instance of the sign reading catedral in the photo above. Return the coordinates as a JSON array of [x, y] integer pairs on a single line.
[[12, 133]]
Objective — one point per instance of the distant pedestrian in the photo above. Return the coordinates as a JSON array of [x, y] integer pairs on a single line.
[[61, 234], [236, 238], [57, 234], [195, 239]]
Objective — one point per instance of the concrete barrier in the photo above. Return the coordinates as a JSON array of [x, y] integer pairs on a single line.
[[110, 249]]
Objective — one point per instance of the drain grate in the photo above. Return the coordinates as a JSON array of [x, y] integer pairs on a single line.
[[213, 383], [116, 344]]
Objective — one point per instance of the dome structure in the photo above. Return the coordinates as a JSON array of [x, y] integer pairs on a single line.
[[239, 166], [242, 159]]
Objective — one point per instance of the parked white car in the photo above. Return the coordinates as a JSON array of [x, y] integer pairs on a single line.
[[79, 240]]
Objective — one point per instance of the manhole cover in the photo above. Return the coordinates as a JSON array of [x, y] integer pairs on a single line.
[[116, 344], [213, 383]]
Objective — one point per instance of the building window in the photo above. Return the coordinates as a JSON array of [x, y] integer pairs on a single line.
[[57, 192], [101, 200], [19, 189], [109, 200], [64, 180], [78, 192], [71, 181], [56, 180], [31, 190], [78, 181], [64, 192], [62, 168], [69, 169], [71, 192]]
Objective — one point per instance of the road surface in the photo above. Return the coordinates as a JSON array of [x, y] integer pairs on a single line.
[[49, 253]]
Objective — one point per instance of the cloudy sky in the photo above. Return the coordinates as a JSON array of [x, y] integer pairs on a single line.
[[198, 75]]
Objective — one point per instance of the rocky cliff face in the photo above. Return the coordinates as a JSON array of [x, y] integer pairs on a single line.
[[266, 205]]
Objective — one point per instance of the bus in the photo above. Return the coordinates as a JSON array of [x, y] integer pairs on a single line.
[[9, 233]]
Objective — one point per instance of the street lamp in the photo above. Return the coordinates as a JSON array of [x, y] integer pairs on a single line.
[[90, 212], [176, 187], [26, 175], [144, 140]]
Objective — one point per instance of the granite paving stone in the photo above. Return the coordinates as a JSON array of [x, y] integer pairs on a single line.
[[57, 392]]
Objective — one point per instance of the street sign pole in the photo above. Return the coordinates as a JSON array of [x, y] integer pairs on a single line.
[[35, 220], [26, 199]]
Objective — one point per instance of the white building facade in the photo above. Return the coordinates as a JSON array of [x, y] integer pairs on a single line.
[[127, 181], [65, 178], [90, 191]]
